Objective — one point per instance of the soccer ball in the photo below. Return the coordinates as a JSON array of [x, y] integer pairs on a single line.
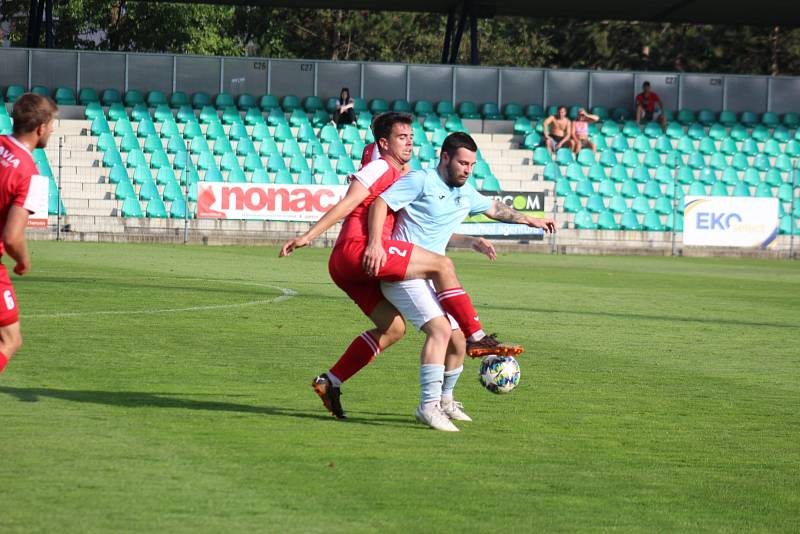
[[499, 374]]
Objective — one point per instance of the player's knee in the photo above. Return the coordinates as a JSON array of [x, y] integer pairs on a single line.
[[395, 330], [446, 265], [438, 330], [458, 343]]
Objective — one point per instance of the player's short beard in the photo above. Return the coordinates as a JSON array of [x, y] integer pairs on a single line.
[[450, 178]]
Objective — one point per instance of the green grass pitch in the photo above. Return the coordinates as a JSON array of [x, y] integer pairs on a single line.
[[166, 389]]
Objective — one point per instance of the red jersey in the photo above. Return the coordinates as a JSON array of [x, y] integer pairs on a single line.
[[376, 176], [648, 101], [16, 169], [370, 154]]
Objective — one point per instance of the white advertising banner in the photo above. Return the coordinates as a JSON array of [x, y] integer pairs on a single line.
[[36, 202], [730, 221], [302, 203]]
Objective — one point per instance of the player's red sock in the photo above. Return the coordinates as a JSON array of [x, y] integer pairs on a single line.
[[3, 361], [457, 303], [361, 351]]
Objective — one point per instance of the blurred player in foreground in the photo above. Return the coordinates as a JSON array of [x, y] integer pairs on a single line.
[[34, 119]]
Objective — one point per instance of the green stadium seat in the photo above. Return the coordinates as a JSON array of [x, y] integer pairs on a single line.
[[344, 166], [178, 209], [252, 162], [209, 114], [91, 112], [772, 148], [748, 118], [791, 120], [718, 161], [620, 114], [268, 102], [686, 117], [620, 143], [228, 161], [562, 187], [357, 150], [783, 163], [608, 158], [541, 156], [696, 131], [719, 189], [179, 99], [148, 190], [583, 220], [629, 221], [185, 114], [276, 116], [254, 117], [617, 204], [607, 188], [222, 146], [261, 133], [329, 178], [663, 144], [423, 107], [131, 207], [761, 162], [87, 96], [133, 97], [512, 111], [564, 156], [523, 126], [105, 141], [156, 209], [275, 163], [763, 191], [605, 221], [259, 176], [201, 100], [652, 222], [652, 129], [165, 175], [445, 108], [760, 133], [139, 112], [111, 157], [641, 143], [706, 117], [110, 97], [159, 159], [785, 194], [674, 130], [619, 173], [191, 177], [491, 111], [572, 203], [738, 132], [39, 90], [640, 205], [124, 189], [213, 174], [770, 119], [298, 163], [337, 150], [163, 113], [175, 144], [595, 203], [232, 115], [156, 98], [534, 111], [727, 118], [236, 175], [629, 189], [652, 189], [717, 132], [290, 103], [401, 106], [283, 177], [64, 96], [117, 174], [224, 101], [584, 188], [630, 158], [741, 190]]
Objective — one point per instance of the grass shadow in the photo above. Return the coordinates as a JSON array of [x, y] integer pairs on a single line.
[[137, 399]]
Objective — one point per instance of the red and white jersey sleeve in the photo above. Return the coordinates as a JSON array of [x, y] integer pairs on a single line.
[[371, 153], [376, 176]]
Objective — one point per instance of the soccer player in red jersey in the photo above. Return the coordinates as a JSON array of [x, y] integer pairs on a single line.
[[394, 136], [34, 117]]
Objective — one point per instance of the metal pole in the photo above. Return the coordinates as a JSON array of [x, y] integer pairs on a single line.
[[791, 213], [186, 195], [553, 247], [674, 205], [58, 190]]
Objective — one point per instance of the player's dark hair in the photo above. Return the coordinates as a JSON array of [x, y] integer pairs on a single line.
[[457, 140], [383, 123], [343, 91], [31, 111], [562, 107], [645, 84]]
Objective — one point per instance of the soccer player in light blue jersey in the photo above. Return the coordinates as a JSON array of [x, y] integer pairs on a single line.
[[429, 206]]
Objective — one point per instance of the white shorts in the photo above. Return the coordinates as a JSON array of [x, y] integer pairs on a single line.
[[416, 300]]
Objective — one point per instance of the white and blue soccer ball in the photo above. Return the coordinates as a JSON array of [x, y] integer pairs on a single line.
[[499, 374]]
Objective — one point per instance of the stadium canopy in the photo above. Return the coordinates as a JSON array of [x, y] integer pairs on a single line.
[[462, 12]]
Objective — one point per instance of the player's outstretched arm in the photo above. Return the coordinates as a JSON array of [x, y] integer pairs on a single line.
[[355, 195], [478, 244], [503, 213], [374, 255], [14, 239]]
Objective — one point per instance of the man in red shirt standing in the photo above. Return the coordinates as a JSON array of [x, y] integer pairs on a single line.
[[646, 104], [34, 118]]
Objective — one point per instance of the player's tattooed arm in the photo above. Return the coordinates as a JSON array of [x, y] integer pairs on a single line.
[[503, 213]]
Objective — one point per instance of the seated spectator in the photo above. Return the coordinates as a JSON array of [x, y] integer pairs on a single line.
[[345, 112], [580, 131], [647, 104], [557, 130]]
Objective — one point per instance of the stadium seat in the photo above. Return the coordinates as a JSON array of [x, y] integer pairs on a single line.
[[617, 204], [640, 205], [595, 203], [741, 190], [619, 173], [770, 119], [534, 111], [131, 207], [91, 112], [696, 131], [652, 222], [748, 118], [629, 221], [605, 221], [110, 96], [423, 107], [583, 220], [344, 166], [584, 188], [245, 102], [88, 96], [117, 174], [201, 100], [133, 97], [124, 189], [453, 124], [791, 120], [686, 117], [523, 126], [112, 157], [445, 108], [512, 111], [706, 117], [621, 114], [259, 176], [401, 106], [607, 188], [268, 102], [572, 203], [719, 189], [541, 156], [491, 111], [155, 98], [64, 96], [727, 118], [179, 99]]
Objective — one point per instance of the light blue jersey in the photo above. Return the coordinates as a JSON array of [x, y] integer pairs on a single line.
[[429, 210]]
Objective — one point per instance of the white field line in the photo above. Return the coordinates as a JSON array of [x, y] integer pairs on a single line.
[[286, 294]]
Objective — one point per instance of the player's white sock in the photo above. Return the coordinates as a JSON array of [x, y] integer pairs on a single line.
[[450, 379], [335, 382], [477, 335], [431, 377]]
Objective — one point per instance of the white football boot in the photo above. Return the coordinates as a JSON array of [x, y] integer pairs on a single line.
[[433, 416], [454, 410]]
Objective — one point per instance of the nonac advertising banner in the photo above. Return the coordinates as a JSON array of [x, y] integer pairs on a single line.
[[275, 202], [730, 221], [529, 203], [37, 201]]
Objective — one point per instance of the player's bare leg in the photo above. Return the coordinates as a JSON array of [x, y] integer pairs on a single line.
[[389, 328], [431, 375], [10, 342], [455, 301]]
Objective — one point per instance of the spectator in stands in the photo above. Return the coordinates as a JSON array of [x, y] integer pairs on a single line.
[[557, 131], [345, 109], [580, 131], [647, 103]]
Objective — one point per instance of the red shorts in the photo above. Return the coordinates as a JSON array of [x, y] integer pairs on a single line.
[[9, 314], [346, 271]]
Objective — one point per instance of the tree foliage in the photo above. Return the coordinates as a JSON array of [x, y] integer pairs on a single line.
[[409, 37]]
